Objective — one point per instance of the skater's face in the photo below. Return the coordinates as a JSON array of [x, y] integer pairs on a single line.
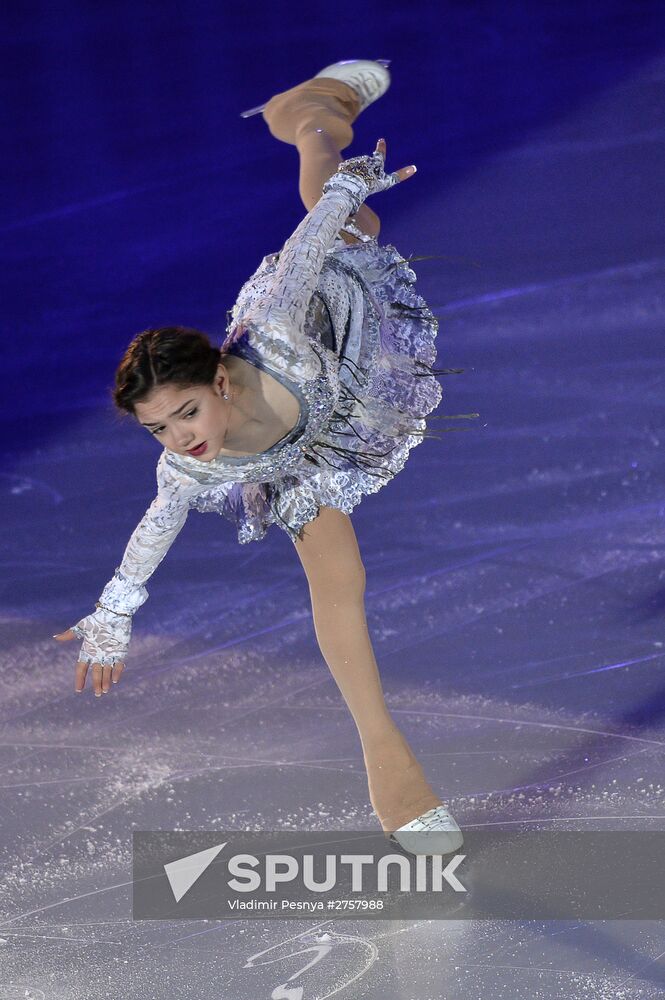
[[182, 420]]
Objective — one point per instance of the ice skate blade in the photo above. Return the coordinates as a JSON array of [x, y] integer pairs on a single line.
[[257, 110], [252, 111]]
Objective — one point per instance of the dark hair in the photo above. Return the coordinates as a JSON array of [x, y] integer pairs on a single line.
[[169, 355]]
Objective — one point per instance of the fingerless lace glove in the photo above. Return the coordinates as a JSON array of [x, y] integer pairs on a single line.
[[105, 635], [107, 631], [360, 177]]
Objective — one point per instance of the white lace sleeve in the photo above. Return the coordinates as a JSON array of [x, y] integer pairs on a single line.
[[275, 318], [107, 631], [150, 540]]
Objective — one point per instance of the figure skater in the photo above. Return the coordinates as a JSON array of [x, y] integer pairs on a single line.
[[314, 400]]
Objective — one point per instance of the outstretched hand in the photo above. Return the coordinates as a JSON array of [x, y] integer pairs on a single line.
[[102, 675], [405, 172], [362, 176]]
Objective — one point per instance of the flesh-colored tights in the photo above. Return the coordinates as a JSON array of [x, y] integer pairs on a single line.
[[398, 789], [316, 118]]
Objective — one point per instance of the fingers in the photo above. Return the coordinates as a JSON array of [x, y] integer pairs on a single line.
[[64, 636], [405, 172], [97, 679], [107, 670], [81, 673], [102, 676]]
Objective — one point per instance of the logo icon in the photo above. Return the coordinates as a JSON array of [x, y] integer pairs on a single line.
[[183, 873]]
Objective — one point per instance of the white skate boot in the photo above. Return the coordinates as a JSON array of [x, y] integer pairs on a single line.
[[434, 832], [369, 78]]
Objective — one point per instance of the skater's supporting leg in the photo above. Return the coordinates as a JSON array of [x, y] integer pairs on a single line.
[[316, 118], [330, 557]]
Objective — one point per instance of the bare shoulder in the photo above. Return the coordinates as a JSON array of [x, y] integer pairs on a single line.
[[269, 408]]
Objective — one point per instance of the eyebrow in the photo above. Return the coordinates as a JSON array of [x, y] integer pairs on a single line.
[[174, 414]]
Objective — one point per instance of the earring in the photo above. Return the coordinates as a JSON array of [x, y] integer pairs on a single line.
[[226, 395]]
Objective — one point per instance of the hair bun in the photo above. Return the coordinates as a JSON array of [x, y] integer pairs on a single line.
[[167, 355]]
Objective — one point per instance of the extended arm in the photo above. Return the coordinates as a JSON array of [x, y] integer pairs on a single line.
[[274, 311], [148, 544], [107, 631], [275, 317]]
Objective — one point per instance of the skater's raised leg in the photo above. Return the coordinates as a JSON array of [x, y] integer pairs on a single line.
[[316, 117]]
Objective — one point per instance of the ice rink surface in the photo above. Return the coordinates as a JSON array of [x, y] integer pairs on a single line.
[[515, 571]]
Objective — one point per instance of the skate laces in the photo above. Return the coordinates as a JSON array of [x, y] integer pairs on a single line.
[[366, 83], [437, 818]]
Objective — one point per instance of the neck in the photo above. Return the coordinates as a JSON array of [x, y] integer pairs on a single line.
[[240, 410]]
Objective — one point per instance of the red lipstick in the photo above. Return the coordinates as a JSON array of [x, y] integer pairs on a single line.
[[198, 450]]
